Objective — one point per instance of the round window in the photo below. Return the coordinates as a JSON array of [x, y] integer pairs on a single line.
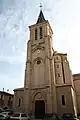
[[38, 62]]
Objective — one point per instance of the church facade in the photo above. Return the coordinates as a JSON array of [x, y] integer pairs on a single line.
[[48, 84]]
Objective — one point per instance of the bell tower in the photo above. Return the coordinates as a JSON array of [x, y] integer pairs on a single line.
[[40, 79], [39, 50]]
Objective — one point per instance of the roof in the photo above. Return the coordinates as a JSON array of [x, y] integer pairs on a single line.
[[6, 93], [57, 53], [41, 17], [76, 76], [19, 89]]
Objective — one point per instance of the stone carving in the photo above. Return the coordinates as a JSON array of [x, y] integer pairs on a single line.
[[38, 47], [38, 96]]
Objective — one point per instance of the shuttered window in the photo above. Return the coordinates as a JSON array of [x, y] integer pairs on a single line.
[[41, 33], [36, 34]]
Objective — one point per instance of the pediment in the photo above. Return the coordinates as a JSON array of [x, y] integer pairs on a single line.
[[38, 47]]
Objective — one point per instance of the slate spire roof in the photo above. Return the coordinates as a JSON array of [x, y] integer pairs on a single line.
[[41, 17]]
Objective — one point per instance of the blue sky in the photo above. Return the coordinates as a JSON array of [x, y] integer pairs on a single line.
[[16, 16]]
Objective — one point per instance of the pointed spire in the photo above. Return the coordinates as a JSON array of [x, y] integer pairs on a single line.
[[41, 16]]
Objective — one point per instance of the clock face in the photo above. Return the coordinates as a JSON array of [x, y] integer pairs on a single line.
[[38, 51]]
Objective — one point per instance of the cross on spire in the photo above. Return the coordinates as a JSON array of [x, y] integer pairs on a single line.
[[40, 6], [41, 16]]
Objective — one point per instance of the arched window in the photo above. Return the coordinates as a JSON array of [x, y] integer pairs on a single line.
[[19, 102], [36, 34], [1, 97], [63, 100], [57, 66], [58, 75], [41, 34], [57, 58], [9, 98]]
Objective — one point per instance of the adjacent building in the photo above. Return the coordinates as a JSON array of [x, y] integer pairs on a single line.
[[48, 84], [76, 79], [6, 99]]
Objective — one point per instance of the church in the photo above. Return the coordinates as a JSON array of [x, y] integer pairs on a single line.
[[49, 86]]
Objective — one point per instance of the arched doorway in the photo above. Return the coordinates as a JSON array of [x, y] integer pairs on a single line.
[[39, 104], [39, 108]]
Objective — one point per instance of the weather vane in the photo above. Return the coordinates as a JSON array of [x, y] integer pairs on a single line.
[[41, 6]]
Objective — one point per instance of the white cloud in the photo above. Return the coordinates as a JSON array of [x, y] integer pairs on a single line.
[[13, 59]]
